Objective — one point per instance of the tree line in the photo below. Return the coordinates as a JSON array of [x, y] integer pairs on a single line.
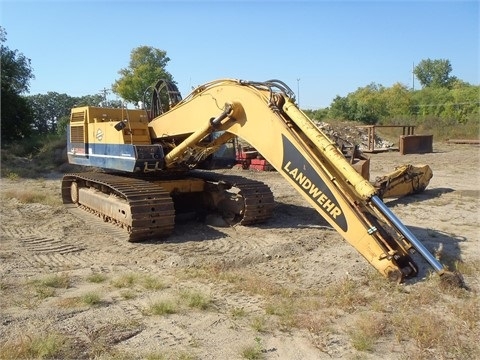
[[442, 96]]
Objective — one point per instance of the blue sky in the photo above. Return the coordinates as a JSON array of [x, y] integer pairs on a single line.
[[333, 47]]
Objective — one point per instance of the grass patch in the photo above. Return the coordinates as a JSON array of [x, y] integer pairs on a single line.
[[125, 281], [241, 279], [12, 176], [128, 294], [432, 330], [238, 313], [55, 281], [315, 322], [43, 292], [259, 324], [35, 346], [152, 283], [284, 309], [3, 285], [178, 355], [467, 268], [45, 287], [468, 312], [367, 330], [195, 299], [163, 307], [97, 278], [69, 303], [296, 311], [253, 283], [427, 330], [91, 299], [344, 294], [253, 352], [33, 196], [131, 280]]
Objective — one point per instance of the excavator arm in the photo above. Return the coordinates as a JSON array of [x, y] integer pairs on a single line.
[[265, 115]]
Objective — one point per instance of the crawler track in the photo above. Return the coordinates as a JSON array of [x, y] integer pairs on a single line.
[[257, 196], [142, 208], [145, 210]]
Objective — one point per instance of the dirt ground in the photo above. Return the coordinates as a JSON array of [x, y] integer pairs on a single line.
[[212, 292]]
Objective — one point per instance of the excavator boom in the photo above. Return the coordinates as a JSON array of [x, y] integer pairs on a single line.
[[265, 116]]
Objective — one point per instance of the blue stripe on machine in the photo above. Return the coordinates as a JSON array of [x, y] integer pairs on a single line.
[[108, 156], [125, 157]]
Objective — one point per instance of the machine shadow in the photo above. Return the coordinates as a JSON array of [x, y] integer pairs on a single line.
[[444, 246], [425, 195], [289, 215], [192, 230]]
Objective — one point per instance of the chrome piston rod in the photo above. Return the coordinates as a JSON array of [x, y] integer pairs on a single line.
[[408, 234]]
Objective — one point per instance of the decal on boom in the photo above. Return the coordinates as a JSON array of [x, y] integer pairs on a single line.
[[306, 178]]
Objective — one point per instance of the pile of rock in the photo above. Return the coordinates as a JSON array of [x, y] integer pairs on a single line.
[[348, 135]]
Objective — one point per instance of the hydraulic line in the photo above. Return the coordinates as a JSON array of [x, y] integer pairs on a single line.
[[408, 234]]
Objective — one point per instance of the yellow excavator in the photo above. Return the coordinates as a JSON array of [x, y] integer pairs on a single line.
[[160, 162]]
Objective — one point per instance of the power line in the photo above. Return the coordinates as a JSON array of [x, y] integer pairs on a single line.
[[445, 104]]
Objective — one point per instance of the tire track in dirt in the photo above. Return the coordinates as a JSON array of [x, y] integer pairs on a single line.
[[235, 301], [248, 245], [11, 231], [166, 333], [131, 311], [42, 245], [189, 241], [46, 251], [174, 336], [225, 251]]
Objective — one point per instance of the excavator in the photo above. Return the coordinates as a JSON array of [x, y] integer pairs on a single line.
[[158, 163]]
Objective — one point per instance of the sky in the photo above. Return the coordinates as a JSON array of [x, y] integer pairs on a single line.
[[320, 49]]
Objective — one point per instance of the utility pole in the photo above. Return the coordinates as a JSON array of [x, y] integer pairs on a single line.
[[104, 93], [413, 76], [298, 91]]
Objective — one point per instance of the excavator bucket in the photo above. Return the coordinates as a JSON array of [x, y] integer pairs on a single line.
[[404, 180]]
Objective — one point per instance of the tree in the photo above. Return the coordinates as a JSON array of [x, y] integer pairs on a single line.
[[370, 106], [398, 101], [48, 109], [146, 67], [317, 114], [51, 111], [434, 73], [466, 102], [341, 108], [15, 76]]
